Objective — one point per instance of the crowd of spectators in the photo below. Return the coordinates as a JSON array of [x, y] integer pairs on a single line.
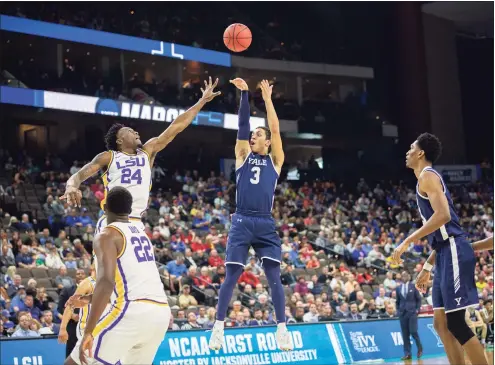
[[336, 244]]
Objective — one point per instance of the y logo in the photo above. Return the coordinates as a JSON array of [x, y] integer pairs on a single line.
[[458, 300]]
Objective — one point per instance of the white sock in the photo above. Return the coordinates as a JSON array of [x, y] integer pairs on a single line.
[[281, 325], [219, 323]]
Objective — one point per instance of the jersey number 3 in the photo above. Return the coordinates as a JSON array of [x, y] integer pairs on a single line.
[[142, 249], [256, 178]]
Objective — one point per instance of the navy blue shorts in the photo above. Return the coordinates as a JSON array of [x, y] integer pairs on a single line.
[[454, 286], [258, 232]]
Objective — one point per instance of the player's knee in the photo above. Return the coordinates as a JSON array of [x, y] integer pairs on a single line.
[[456, 323], [440, 325]]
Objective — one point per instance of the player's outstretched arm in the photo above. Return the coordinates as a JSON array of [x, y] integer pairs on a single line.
[[83, 289], [107, 245], [72, 193], [274, 125], [430, 183], [483, 245], [156, 144], [242, 144]]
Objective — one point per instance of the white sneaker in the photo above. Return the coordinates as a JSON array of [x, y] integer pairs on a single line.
[[216, 338], [283, 338]]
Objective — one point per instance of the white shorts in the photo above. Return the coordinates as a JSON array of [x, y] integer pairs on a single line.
[[128, 335], [102, 223]]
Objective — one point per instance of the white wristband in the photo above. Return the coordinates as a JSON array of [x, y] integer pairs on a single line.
[[427, 266]]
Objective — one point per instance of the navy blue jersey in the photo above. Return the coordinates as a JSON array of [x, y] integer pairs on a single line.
[[256, 181], [450, 229]]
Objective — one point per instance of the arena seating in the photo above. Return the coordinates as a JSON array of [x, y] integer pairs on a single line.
[[323, 227]]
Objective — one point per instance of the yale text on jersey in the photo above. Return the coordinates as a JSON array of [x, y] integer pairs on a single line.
[[257, 161]]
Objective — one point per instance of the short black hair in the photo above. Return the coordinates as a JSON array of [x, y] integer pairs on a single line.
[[119, 201], [431, 145], [111, 136]]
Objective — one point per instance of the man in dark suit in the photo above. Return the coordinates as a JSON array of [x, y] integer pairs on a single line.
[[65, 294], [408, 305], [354, 313]]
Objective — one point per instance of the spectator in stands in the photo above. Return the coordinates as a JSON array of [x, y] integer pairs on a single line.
[[219, 276], [202, 317], [288, 278], [371, 311], [215, 260], [72, 220], [84, 219], [5, 318], [53, 259], [177, 268], [313, 263], [262, 303], [62, 280], [7, 259], [191, 322], [258, 318], [359, 255], [24, 329], [354, 312], [343, 311], [186, 299], [389, 312], [48, 327], [247, 277], [312, 315], [381, 299], [247, 297], [389, 282], [327, 314], [302, 286], [476, 323], [255, 268], [24, 258]]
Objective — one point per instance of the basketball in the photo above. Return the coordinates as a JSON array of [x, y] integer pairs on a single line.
[[237, 37]]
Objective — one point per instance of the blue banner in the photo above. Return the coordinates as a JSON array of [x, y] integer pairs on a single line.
[[32, 352], [116, 108], [251, 345], [112, 40], [382, 340], [317, 344]]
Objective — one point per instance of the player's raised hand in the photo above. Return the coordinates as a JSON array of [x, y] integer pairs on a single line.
[[240, 84], [266, 90], [73, 196], [209, 90]]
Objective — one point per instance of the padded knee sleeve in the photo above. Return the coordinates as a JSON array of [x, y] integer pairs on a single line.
[[456, 323]]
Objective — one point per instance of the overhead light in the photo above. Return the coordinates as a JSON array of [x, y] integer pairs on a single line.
[[67, 50], [87, 53], [377, 117], [133, 60]]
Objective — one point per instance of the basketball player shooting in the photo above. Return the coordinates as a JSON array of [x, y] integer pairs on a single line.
[[257, 172], [128, 162], [454, 288]]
